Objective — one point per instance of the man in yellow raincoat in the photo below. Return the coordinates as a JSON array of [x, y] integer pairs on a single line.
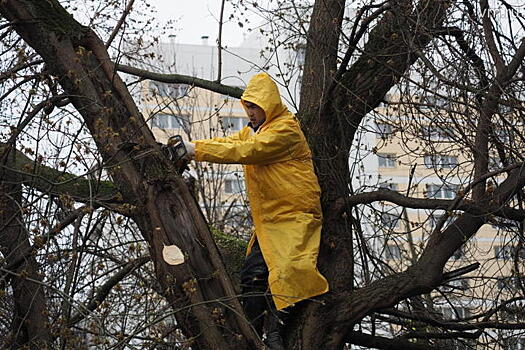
[[284, 197]]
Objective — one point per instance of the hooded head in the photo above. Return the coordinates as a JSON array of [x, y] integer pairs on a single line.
[[263, 92]]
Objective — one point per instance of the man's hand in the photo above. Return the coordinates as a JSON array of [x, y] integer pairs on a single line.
[[190, 149]]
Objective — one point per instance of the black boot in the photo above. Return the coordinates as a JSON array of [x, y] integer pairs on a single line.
[[254, 305], [274, 325], [254, 286]]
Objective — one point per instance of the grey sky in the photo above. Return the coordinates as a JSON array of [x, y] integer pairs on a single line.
[[196, 18]]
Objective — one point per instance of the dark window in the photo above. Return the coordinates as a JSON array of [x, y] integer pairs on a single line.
[[386, 160], [441, 191], [435, 133], [234, 123], [392, 251], [387, 186], [508, 252], [440, 161], [170, 121], [169, 90], [233, 185], [390, 221], [514, 343], [383, 129]]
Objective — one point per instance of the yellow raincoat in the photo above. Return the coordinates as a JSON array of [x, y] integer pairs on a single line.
[[283, 193]]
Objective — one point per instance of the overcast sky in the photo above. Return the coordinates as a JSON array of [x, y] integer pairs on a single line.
[[196, 18]]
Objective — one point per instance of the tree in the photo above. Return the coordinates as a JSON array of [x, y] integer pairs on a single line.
[[447, 50]]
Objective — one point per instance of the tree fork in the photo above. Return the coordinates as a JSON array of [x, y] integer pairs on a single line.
[[385, 58], [169, 213]]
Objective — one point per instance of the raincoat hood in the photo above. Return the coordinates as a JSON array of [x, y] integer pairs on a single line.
[[263, 91]]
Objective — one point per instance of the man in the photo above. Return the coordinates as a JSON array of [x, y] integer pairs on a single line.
[[284, 198]]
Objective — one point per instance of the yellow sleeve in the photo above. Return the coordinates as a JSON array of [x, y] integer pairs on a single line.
[[271, 145], [231, 138]]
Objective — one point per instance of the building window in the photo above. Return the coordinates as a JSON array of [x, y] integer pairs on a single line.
[[383, 130], [495, 163], [512, 313], [232, 186], [390, 221], [169, 90], [514, 343], [170, 121], [508, 252], [458, 344], [503, 224], [428, 102], [387, 186], [234, 123], [441, 191], [503, 135], [300, 51], [386, 160], [392, 251], [435, 133], [440, 162], [460, 284], [504, 109], [511, 284], [450, 312]]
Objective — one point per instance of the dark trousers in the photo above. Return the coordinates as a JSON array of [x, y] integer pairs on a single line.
[[256, 298]]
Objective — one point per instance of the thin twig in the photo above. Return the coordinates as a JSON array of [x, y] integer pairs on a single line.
[[120, 23], [219, 43]]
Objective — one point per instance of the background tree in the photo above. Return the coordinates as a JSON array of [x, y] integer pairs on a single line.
[[432, 49]]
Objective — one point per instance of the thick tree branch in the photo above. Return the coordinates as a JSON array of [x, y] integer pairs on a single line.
[[488, 29], [182, 79], [457, 325], [469, 52], [390, 50], [29, 321], [378, 342], [21, 169], [343, 204]]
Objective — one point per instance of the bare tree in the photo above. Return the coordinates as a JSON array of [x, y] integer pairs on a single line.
[[445, 77]]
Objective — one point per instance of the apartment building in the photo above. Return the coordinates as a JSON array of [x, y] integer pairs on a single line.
[[422, 153]]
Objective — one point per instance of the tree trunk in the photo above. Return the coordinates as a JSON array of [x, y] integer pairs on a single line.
[[330, 122], [160, 203], [30, 326]]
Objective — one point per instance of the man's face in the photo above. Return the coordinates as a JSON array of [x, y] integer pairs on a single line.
[[255, 114]]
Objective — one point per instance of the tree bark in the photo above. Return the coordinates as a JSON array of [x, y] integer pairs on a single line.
[[30, 326], [161, 204], [330, 123]]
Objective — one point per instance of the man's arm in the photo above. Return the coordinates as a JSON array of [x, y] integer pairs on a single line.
[[231, 138], [273, 145]]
